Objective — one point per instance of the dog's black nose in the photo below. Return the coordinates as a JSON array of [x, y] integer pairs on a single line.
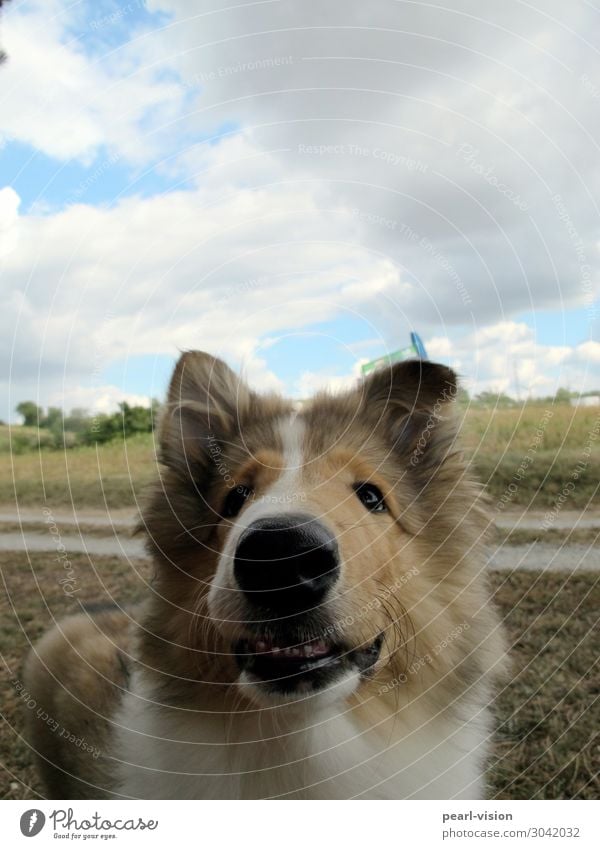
[[286, 563]]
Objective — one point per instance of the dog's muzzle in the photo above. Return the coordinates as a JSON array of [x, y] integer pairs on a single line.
[[286, 564], [287, 567]]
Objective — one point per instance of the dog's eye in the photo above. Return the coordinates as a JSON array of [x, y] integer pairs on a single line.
[[371, 496], [236, 500]]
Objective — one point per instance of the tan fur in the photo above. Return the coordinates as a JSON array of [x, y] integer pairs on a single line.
[[415, 574], [77, 673]]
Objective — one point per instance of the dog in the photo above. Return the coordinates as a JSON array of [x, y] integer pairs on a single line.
[[319, 625]]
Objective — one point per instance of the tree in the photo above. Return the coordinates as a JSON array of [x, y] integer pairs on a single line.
[[127, 422], [53, 420], [562, 396], [31, 413], [462, 396], [77, 420], [135, 419], [495, 399], [101, 428]]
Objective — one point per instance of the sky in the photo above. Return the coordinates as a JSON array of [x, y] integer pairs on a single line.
[[294, 187]]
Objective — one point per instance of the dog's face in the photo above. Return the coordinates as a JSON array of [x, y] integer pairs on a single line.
[[295, 578], [292, 537]]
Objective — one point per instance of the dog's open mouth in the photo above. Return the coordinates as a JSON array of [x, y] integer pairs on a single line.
[[284, 666]]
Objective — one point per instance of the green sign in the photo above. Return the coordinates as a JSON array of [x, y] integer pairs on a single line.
[[407, 353]]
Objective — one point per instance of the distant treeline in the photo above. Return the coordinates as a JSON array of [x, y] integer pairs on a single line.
[[500, 400], [54, 429]]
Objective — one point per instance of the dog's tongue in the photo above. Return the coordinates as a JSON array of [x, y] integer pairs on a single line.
[[313, 648]]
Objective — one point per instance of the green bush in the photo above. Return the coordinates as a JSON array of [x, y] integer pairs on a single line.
[[21, 439], [55, 430], [127, 422]]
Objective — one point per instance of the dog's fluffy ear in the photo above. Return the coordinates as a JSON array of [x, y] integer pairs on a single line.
[[205, 401], [409, 400], [417, 385]]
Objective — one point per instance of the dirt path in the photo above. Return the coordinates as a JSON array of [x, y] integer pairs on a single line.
[[93, 545], [544, 556], [61, 534], [124, 518], [538, 520]]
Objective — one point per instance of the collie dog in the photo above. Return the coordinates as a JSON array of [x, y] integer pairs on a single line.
[[319, 624]]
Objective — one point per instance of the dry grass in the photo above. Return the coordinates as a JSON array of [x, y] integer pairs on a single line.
[[493, 432], [31, 597], [18, 438], [499, 442], [549, 713], [528, 456], [549, 738], [113, 474]]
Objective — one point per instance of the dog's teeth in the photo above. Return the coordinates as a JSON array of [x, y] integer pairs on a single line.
[[319, 647], [291, 651], [313, 649]]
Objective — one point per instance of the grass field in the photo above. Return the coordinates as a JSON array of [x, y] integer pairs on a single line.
[[548, 715], [527, 456], [113, 474], [523, 455]]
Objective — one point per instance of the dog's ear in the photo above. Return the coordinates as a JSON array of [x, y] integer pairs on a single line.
[[409, 400], [414, 384], [204, 404]]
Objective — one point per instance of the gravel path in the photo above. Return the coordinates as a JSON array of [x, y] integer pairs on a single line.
[[111, 545], [116, 523], [544, 556], [535, 556], [536, 520], [124, 518]]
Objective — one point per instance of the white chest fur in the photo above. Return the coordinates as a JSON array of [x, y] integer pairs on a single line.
[[180, 754]]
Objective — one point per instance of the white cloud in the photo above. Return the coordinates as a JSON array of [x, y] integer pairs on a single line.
[[505, 357], [310, 382], [430, 171], [68, 104], [589, 352], [439, 348], [89, 286], [9, 211], [447, 133], [100, 399]]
